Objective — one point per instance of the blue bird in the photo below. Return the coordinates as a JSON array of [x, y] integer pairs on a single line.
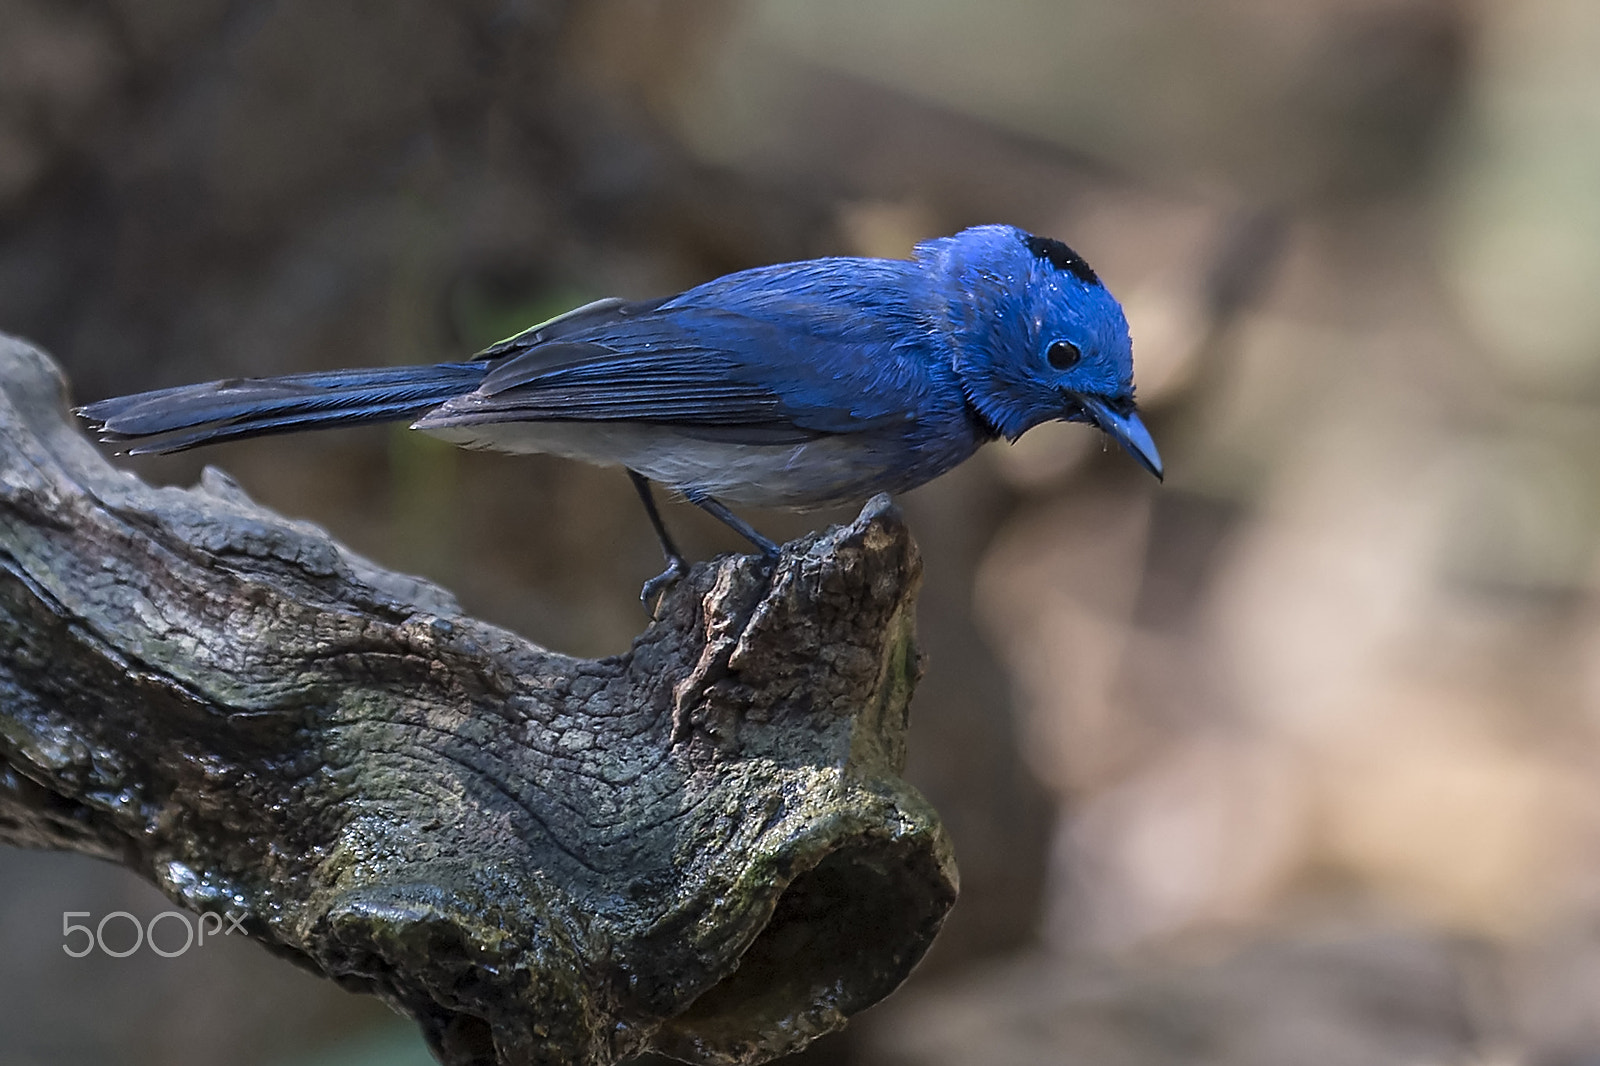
[[795, 385]]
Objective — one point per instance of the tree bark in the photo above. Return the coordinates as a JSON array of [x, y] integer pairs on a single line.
[[701, 847]]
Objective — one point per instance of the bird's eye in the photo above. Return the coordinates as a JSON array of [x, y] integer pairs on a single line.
[[1063, 355]]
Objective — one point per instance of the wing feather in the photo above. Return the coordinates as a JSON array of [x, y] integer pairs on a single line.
[[773, 359]]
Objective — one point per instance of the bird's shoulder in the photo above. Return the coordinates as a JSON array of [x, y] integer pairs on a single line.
[[828, 345], [830, 314], [839, 296]]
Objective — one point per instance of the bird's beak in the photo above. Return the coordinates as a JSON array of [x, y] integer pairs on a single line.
[[1127, 430]]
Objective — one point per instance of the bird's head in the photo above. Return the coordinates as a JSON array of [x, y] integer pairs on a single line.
[[1038, 337]]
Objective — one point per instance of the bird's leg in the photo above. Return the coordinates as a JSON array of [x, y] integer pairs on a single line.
[[676, 567], [733, 522]]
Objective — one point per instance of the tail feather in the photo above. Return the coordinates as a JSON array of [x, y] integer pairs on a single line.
[[172, 420]]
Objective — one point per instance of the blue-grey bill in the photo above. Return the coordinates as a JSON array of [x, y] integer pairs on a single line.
[[1127, 430]]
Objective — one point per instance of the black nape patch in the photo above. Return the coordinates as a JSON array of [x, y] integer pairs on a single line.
[[1061, 257]]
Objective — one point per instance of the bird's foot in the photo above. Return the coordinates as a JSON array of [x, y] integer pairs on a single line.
[[655, 590]]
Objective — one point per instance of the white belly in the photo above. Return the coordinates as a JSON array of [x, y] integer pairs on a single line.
[[808, 474]]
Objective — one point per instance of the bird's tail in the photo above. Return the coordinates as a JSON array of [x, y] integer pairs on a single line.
[[171, 420]]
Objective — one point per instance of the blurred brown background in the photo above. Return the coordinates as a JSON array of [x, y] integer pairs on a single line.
[[1293, 760]]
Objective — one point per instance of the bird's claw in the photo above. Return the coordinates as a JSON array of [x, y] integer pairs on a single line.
[[656, 589]]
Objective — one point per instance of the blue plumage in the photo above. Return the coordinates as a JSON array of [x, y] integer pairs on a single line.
[[793, 385]]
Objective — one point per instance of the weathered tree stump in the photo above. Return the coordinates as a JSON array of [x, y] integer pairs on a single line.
[[701, 847]]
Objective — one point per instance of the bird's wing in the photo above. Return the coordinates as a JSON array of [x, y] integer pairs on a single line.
[[594, 313], [733, 371]]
